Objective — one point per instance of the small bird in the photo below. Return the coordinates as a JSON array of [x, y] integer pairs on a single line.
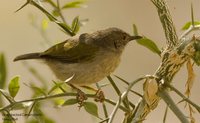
[[88, 58]]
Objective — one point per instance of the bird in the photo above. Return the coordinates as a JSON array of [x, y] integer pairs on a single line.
[[85, 59]]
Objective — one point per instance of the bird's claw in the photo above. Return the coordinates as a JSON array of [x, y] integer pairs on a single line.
[[99, 96], [81, 97]]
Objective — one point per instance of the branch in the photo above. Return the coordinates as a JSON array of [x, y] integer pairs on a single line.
[[167, 23], [60, 12], [184, 97], [123, 96], [172, 61], [188, 31], [166, 97], [117, 91], [64, 26], [55, 96], [165, 114]]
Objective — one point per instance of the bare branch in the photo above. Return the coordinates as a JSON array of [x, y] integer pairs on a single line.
[[7, 107], [172, 61], [122, 97], [166, 97], [167, 23]]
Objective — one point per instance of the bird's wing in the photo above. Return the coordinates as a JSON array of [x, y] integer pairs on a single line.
[[71, 51]]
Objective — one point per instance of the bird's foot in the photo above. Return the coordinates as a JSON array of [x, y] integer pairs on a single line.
[[81, 97], [99, 96]]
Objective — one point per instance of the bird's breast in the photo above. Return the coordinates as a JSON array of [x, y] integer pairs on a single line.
[[102, 65]]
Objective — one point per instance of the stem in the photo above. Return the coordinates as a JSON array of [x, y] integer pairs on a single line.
[[103, 104], [188, 31], [112, 115], [122, 97], [114, 85], [184, 97], [56, 96], [105, 110], [165, 115], [168, 100], [118, 91], [60, 12], [64, 26], [167, 23]]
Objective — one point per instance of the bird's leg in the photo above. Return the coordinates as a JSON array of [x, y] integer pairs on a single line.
[[99, 95], [81, 97]]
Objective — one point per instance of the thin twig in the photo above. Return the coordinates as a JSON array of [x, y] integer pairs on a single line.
[[172, 105], [114, 85], [31, 109], [184, 97], [118, 92], [122, 97], [105, 120], [112, 115], [165, 115], [64, 26], [56, 96], [103, 104], [189, 30], [60, 12]]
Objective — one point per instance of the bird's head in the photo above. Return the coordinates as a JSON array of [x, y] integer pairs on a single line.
[[113, 39]]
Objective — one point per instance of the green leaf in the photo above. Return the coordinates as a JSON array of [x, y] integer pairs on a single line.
[[149, 44], [13, 86], [91, 108], [146, 42], [2, 71], [59, 102], [75, 25], [70, 102], [74, 4], [188, 24]]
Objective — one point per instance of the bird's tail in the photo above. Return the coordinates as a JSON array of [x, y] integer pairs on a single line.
[[28, 56]]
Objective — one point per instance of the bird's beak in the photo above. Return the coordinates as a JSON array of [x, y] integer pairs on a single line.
[[135, 37]]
